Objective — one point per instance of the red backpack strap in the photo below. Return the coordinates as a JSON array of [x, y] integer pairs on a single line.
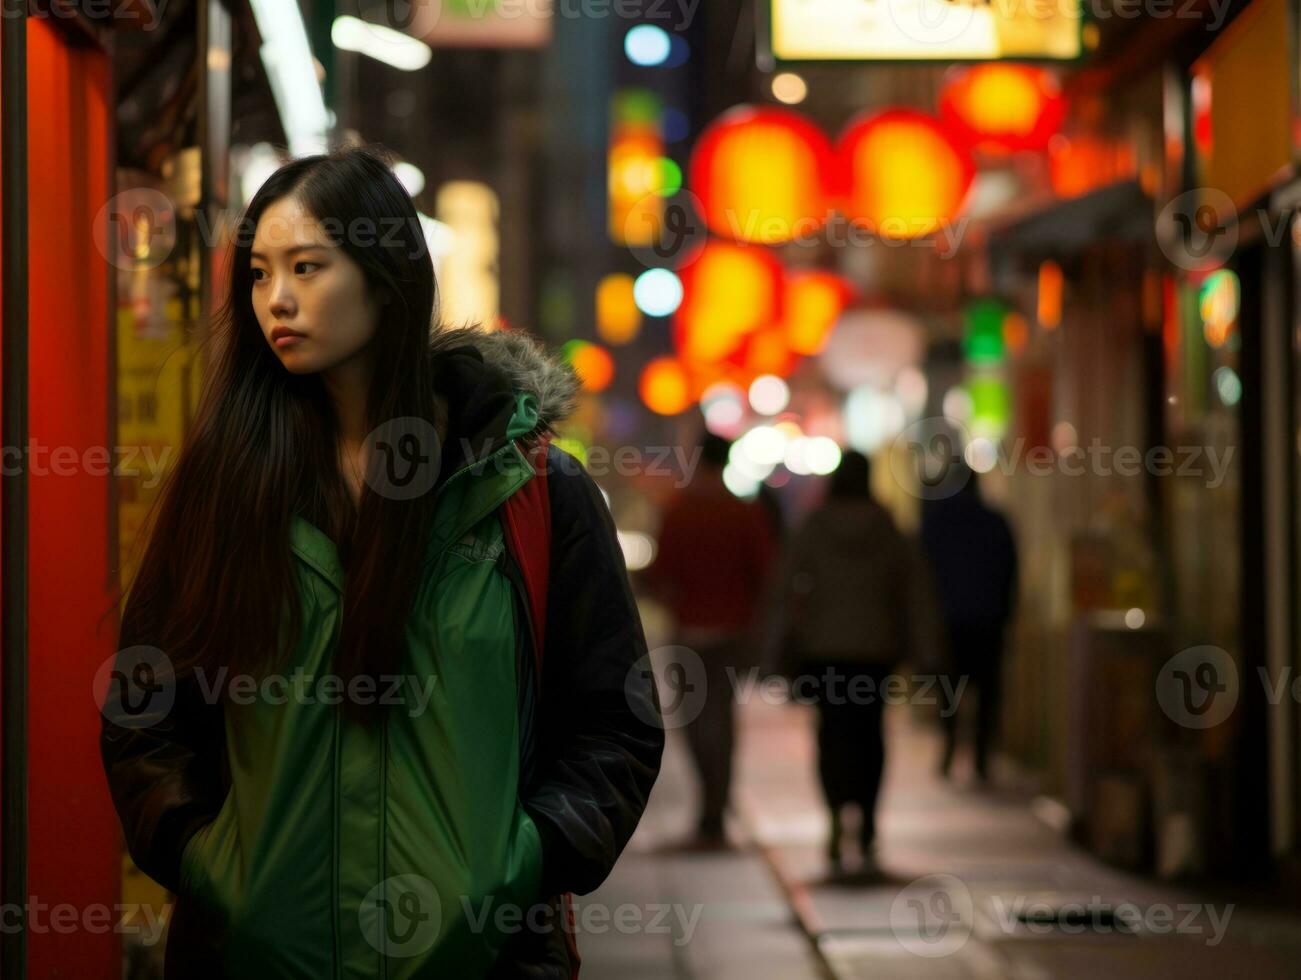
[[526, 520]]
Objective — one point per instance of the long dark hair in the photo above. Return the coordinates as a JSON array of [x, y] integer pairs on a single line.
[[217, 579]]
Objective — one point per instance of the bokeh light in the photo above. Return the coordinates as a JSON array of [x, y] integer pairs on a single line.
[[618, 318], [1001, 107], [729, 291], [814, 300], [591, 362], [664, 386], [647, 45], [658, 292], [906, 176], [789, 88], [762, 175], [769, 394]]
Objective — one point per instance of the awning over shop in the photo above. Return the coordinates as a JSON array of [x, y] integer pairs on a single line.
[[1119, 212]]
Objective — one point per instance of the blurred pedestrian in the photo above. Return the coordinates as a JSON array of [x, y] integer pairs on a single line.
[[710, 569], [855, 603], [973, 558]]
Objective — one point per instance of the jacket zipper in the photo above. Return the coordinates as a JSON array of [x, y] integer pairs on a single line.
[[533, 691]]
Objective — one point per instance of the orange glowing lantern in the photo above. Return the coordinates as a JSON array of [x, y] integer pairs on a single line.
[[729, 291], [814, 301], [765, 352], [762, 175], [618, 320], [1000, 107], [665, 386], [592, 363], [906, 176]]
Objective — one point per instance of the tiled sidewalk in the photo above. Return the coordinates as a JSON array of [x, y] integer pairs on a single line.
[[957, 868], [743, 926]]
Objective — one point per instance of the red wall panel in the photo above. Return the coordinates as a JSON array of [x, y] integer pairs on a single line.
[[74, 844]]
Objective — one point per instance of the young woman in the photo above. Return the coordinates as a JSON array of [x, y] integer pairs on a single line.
[[330, 730]]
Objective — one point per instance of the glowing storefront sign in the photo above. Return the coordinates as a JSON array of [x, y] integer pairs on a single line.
[[924, 30]]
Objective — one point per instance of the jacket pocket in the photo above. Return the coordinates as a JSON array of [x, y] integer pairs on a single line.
[[210, 858], [530, 861]]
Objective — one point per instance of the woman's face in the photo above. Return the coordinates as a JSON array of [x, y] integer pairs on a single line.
[[312, 300]]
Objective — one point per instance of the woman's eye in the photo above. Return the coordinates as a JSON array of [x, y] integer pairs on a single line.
[[258, 274], [300, 265]]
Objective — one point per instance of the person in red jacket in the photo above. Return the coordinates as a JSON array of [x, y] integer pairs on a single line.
[[711, 568]]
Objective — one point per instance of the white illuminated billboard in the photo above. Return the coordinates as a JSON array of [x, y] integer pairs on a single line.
[[924, 30]]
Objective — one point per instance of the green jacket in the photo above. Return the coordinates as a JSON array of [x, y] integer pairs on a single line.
[[301, 844]]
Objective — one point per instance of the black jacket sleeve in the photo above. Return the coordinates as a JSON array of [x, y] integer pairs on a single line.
[[601, 733], [163, 756]]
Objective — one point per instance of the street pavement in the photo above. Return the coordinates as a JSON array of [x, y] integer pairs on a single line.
[[968, 884]]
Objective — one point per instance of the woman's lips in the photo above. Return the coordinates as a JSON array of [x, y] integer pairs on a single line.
[[289, 339]]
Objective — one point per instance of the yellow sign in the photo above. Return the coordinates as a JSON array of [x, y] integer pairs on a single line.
[[924, 30]]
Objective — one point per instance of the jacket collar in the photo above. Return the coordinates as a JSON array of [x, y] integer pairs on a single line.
[[498, 386]]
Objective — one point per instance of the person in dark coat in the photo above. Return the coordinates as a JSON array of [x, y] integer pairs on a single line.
[[973, 559], [855, 602]]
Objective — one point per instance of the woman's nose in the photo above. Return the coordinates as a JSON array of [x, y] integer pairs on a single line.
[[282, 300]]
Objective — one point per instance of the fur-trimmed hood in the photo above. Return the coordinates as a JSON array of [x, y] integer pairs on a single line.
[[524, 362]]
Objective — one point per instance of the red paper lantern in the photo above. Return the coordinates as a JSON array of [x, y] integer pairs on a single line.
[[814, 300], [1000, 108], [762, 175], [906, 175], [728, 292]]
